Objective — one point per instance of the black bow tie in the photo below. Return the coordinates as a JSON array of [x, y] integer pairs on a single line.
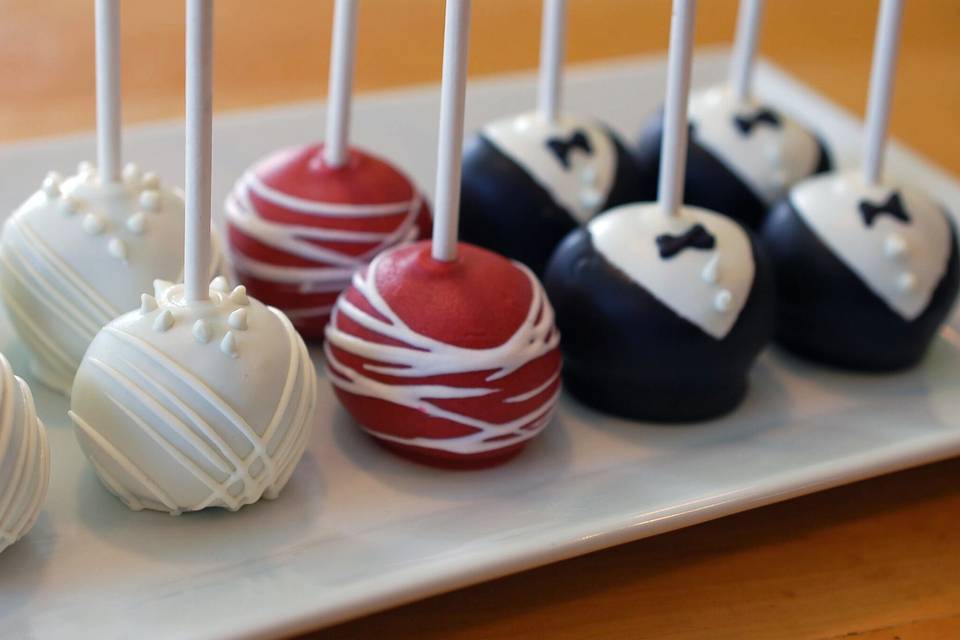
[[746, 123], [696, 237], [562, 147], [892, 207]]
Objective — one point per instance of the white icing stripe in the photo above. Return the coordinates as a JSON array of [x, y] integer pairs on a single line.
[[24, 458], [421, 356], [533, 393], [330, 209]]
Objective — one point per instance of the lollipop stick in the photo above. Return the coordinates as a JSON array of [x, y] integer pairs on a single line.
[[107, 19], [749, 17], [552, 40], [196, 254], [881, 88], [341, 82], [452, 94], [673, 149]]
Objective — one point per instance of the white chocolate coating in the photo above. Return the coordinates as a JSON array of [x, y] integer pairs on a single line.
[[180, 407], [901, 262], [419, 356], [705, 287], [584, 186], [77, 254], [24, 458], [768, 159]]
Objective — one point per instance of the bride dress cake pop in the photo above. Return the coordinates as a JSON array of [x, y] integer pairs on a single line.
[[302, 220], [445, 352], [24, 458], [743, 154], [530, 179], [203, 397], [866, 267], [663, 307], [78, 252]]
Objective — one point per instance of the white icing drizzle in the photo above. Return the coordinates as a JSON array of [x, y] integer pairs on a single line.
[[705, 287], [170, 425], [331, 269], [421, 356], [65, 276], [769, 160], [584, 186], [902, 263], [24, 458]]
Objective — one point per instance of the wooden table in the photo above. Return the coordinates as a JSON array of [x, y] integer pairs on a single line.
[[877, 560]]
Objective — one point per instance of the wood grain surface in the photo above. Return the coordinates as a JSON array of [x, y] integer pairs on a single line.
[[877, 560]]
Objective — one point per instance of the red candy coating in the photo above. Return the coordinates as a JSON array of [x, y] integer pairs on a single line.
[[477, 344], [297, 228]]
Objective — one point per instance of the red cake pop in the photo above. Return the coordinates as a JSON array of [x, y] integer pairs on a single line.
[[302, 220], [445, 352]]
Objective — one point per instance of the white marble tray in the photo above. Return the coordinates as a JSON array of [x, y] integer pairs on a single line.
[[358, 530]]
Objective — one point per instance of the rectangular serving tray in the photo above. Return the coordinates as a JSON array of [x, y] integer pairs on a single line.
[[358, 530]]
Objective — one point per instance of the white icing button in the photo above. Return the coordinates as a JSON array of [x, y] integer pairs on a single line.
[[164, 321], [590, 198], [201, 331], [150, 200], [238, 319], [722, 301], [51, 184], [131, 173], [229, 345], [711, 270], [907, 281], [894, 246], [137, 223], [150, 180], [147, 303], [219, 284], [117, 248], [93, 224], [239, 296]]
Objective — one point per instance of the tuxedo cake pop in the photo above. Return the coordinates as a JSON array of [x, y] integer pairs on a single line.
[[203, 397], [302, 220], [24, 458], [80, 250], [743, 153], [445, 352], [530, 179], [866, 267], [663, 308]]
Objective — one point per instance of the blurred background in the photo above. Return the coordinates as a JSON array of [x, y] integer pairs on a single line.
[[277, 51]]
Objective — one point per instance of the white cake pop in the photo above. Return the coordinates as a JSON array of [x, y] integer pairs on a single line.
[[24, 458], [203, 397], [80, 250]]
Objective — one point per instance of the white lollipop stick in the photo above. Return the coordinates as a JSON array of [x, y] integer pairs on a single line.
[[196, 253], [107, 20], [552, 40], [673, 149], [885, 49], [749, 18], [452, 96], [341, 82]]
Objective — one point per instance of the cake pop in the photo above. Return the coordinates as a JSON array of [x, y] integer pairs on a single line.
[[743, 153], [203, 397], [663, 307], [78, 252], [302, 220], [530, 179], [24, 458], [446, 352], [866, 266]]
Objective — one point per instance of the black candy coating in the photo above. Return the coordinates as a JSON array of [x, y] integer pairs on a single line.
[[828, 314], [502, 208], [709, 183], [627, 354]]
